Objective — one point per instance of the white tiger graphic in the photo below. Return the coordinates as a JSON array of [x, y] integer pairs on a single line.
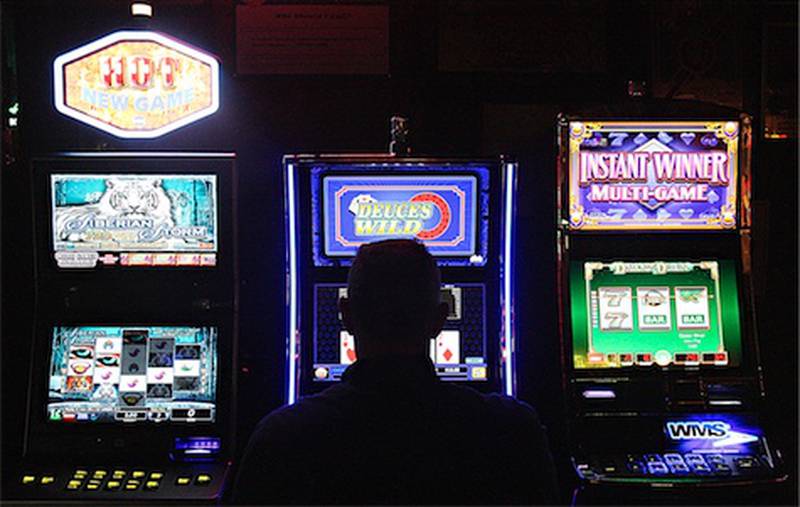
[[123, 198]]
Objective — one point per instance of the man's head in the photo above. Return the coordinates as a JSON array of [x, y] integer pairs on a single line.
[[392, 305]]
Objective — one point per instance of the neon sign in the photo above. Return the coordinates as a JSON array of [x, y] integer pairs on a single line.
[[653, 175], [136, 84]]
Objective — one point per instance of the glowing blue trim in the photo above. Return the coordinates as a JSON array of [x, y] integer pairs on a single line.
[[147, 154], [293, 329], [507, 270]]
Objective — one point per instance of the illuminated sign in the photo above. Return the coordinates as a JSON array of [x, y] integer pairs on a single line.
[[440, 211], [653, 175], [136, 84], [721, 433]]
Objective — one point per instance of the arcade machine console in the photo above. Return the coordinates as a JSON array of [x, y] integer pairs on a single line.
[[462, 210], [131, 388], [661, 365]]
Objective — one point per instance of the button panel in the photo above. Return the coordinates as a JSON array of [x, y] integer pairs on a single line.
[[658, 466], [201, 481]]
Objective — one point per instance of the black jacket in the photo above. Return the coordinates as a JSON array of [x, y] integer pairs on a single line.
[[392, 432]]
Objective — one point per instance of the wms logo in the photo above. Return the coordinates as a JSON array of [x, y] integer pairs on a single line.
[[719, 431]]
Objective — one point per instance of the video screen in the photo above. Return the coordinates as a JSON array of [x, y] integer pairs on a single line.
[[133, 374], [659, 313], [447, 210], [458, 353], [653, 175], [125, 220]]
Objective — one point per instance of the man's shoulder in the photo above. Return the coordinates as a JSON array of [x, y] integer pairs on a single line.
[[493, 404], [308, 410]]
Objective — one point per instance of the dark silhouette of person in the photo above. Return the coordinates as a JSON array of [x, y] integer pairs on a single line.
[[391, 432]]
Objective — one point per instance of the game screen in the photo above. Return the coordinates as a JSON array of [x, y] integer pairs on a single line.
[[447, 210], [648, 175], [134, 220], [458, 353], [133, 374], [660, 313]]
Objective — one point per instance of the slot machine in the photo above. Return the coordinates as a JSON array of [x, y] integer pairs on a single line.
[[462, 210], [661, 365], [131, 390]]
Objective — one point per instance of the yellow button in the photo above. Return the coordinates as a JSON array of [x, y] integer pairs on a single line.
[[151, 484], [138, 474], [80, 473], [74, 484], [99, 474], [183, 481], [118, 474], [202, 479], [112, 484], [93, 486], [130, 485], [47, 479], [28, 479], [479, 372], [156, 475]]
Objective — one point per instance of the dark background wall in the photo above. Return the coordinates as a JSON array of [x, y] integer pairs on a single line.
[[476, 78]]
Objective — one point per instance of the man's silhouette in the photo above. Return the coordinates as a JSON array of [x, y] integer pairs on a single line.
[[391, 432]]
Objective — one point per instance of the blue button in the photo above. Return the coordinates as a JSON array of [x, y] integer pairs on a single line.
[[694, 458], [657, 468], [715, 458], [652, 458], [701, 468], [673, 458], [679, 468]]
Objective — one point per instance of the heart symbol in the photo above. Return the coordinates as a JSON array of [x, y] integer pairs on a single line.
[[351, 355], [686, 212], [687, 138]]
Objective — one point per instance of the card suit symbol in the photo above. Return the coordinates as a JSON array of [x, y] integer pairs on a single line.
[[709, 140], [663, 214], [664, 137], [686, 212], [351, 355], [640, 139], [687, 138], [713, 197], [640, 215], [447, 354]]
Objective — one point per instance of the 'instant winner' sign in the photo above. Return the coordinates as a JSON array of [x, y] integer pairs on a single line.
[[440, 211], [653, 175], [136, 84]]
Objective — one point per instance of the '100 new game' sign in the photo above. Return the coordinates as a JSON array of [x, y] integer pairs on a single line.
[[653, 175]]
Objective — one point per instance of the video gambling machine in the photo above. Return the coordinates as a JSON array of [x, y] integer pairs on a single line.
[[462, 210], [131, 391], [661, 364]]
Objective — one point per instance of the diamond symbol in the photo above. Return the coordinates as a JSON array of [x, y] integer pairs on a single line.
[[447, 354]]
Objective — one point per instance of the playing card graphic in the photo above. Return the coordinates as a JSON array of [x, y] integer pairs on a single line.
[[654, 308], [616, 308], [359, 199], [347, 348], [691, 307], [448, 347]]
